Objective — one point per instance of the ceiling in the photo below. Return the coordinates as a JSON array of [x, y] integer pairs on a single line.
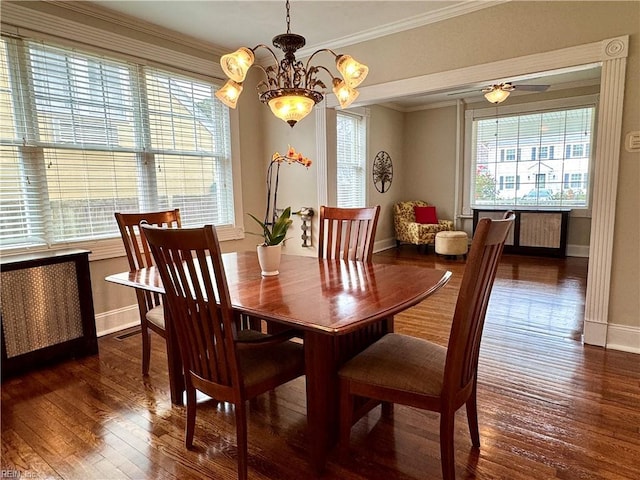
[[226, 25], [250, 23]]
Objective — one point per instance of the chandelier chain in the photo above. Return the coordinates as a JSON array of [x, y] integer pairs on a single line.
[[288, 19]]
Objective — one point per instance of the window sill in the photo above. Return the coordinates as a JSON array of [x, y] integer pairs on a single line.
[[112, 247]]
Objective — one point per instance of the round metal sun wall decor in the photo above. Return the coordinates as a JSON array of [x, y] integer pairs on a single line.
[[382, 171]]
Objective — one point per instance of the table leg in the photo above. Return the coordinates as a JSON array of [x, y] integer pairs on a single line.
[[324, 355], [176, 376], [322, 395]]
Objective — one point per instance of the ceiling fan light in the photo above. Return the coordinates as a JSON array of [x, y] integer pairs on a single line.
[[229, 93], [497, 95], [235, 65], [352, 71], [345, 94], [291, 108]]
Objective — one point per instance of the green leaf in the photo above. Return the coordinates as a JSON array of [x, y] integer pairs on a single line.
[[278, 231]]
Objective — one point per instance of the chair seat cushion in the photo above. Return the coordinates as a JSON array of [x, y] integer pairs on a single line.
[[399, 362], [260, 364], [156, 316]]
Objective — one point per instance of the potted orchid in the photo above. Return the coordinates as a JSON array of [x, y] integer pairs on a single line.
[[275, 227]]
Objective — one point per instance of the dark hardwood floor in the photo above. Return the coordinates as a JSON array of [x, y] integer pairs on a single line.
[[549, 407]]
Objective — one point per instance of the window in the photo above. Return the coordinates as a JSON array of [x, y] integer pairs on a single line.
[[84, 136], [502, 176], [576, 180], [511, 154], [576, 150], [510, 182], [544, 153], [351, 167]]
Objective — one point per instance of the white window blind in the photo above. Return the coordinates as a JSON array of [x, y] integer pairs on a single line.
[[351, 158], [83, 136], [534, 153]]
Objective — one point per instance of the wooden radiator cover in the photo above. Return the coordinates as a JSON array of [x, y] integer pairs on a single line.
[[535, 232], [47, 309]]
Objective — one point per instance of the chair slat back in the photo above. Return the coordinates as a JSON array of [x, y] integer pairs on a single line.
[[471, 307], [190, 264], [135, 244], [347, 233], [137, 249]]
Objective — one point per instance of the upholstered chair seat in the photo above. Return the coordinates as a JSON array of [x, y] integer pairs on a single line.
[[156, 316], [381, 365]]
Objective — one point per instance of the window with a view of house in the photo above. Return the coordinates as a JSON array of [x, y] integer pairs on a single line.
[[83, 136], [351, 160], [532, 159]]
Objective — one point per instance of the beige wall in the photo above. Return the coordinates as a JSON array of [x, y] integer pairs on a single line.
[[508, 30], [430, 145], [386, 133]]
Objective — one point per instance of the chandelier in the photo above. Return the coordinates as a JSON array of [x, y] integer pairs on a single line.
[[291, 88]]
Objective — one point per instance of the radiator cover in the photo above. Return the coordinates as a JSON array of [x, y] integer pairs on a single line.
[[535, 232], [47, 309]]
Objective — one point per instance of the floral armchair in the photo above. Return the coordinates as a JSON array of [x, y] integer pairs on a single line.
[[409, 231]]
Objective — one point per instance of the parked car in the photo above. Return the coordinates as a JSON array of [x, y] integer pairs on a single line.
[[542, 194]]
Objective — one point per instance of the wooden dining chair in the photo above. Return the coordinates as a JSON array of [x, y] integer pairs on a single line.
[[415, 372], [215, 361], [347, 233], [139, 256]]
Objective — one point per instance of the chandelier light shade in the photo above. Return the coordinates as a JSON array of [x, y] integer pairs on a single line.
[[498, 93], [229, 93], [290, 88], [236, 65], [292, 107], [345, 94], [353, 72]]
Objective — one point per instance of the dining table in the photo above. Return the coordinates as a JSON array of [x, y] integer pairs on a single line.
[[339, 307]]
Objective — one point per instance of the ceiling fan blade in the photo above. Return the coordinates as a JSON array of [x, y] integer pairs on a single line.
[[531, 88], [477, 90]]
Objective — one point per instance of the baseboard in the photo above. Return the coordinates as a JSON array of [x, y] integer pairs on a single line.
[[116, 320], [624, 338], [595, 333], [384, 244], [578, 251]]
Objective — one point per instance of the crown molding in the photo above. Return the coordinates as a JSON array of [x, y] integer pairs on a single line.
[[402, 25], [120, 19], [19, 18]]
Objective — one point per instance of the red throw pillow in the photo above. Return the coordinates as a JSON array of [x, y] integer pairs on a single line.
[[425, 214]]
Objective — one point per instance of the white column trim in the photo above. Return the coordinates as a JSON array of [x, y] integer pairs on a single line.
[[321, 153], [605, 188]]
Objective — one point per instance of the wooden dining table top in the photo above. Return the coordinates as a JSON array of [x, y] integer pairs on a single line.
[[333, 296]]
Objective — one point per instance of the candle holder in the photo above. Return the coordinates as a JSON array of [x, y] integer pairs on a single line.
[[306, 213]]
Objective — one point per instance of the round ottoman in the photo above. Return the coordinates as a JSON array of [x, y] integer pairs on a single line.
[[451, 243]]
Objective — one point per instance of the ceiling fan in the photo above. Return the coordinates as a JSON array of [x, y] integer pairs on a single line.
[[499, 92]]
